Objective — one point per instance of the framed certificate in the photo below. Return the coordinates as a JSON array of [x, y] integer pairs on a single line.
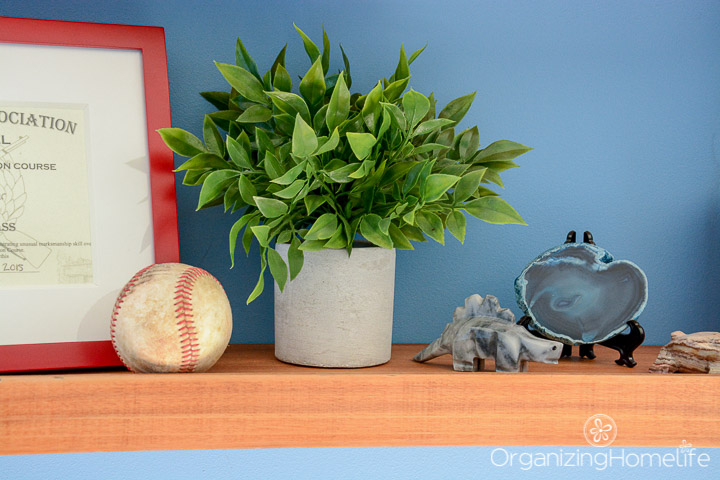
[[87, 193]]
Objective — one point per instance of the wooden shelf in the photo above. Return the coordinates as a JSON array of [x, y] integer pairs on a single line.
[[251, 400]]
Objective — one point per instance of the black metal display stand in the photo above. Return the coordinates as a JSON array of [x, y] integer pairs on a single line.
[[623, 343]]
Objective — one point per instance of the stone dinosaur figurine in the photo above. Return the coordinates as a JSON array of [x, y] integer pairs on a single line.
[[481, 330], [689, 353]]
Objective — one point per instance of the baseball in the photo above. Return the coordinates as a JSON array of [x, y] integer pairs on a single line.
[[171, 318]]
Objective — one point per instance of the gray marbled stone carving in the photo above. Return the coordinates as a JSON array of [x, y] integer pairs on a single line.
[[482, 330]]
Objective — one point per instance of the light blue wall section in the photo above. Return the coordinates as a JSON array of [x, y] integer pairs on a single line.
[[621, 101], [444, 463]]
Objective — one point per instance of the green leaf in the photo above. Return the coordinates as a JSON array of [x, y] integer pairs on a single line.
[[399, 239], [457, 109], [195, 177], [364, 169], [272, 165], [279, 61], [346, 62], [238, 154], [492, 176], [370, 229], [203, 161], [290, 176], [255, 114], [396, 115], [312, 50], [430, 125], [412, 177], [244, 60], [215, 185], [436, 185], [211, 136], [284, 124], [468, 184], [431, 225], [319, 118], [295, 258], [493, 210], [283, 237], [292, 190], [282, 80], [456, 224], [244, 82], [393, 91], [234, 231], [361, 144], [394, 173], [260, 286], [402, 70], [278, 268], [262, 233], [270, 207], [385, 125], [339, 105], [458, 169], [312, 245], [428, 147], [312, 202], [330, 144], [247, 190], [424, 173], [342, 174], [371, 109], [264, 144], [232, 196], [323, 228], [312, 86], [182, 142], [413, 233], [304, 141], [338, 239], [248, 234], [469, 143], [219, 100], [415, 54], [415, 105], [484, 192], [500, 151], [291, 104], [325, 52]]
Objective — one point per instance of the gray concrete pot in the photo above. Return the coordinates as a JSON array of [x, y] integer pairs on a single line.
[[338, 311]]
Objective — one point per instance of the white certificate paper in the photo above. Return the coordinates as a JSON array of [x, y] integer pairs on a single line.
[[45, 229], [86, 197]]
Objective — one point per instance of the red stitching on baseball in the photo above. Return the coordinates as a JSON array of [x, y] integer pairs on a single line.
[[188, 334], [116, 310]]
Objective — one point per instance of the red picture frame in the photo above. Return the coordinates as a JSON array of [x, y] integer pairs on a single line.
[[150, 41]]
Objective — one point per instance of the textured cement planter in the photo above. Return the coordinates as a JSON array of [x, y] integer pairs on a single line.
[[338, 311]]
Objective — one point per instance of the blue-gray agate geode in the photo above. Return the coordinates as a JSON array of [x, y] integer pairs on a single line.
[[578, 294]]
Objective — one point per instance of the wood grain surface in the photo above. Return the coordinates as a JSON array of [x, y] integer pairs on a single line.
[[251, 400]]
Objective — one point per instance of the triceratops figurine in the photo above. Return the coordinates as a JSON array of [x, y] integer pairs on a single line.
[[481, 330]]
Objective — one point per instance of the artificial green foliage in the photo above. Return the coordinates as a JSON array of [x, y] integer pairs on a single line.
[[320, 166]]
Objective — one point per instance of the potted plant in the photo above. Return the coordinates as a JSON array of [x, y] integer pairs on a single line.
[[312, 172]]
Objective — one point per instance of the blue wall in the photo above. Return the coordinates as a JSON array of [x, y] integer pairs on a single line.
[[620, 100]]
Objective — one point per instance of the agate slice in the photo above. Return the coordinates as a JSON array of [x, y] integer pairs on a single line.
[[578, 294]]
